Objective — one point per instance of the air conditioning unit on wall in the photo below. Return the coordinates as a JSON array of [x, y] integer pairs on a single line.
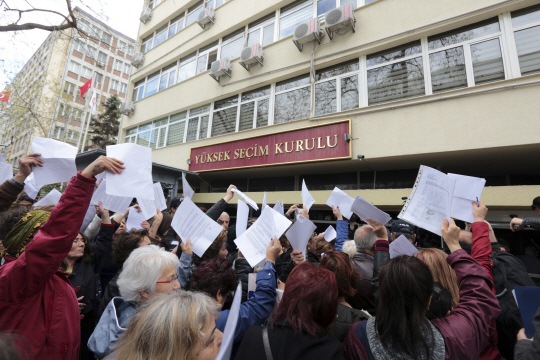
[[307, 32], [219, 68], [146, 15], [138, 59], [339, 20], [251, 55], [206, 17], [127, 108]]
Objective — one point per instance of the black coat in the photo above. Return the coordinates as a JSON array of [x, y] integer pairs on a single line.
[[288, 345], [346, 317], [110, 292], [102, 245], [283, 260]]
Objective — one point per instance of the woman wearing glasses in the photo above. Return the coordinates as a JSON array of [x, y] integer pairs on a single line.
[[148, 271]]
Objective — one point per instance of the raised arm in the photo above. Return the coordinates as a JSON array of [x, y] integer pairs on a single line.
[[342, 229], [481, 245], [382, 254], [10, 189], [42, 257], [184, 268], [218, 208]]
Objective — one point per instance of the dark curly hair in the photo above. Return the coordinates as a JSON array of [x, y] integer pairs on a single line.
[[213, 250], [124, 243], [213, 276], [10, 218]]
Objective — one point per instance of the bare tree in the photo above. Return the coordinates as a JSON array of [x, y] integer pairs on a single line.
[[70, 20]]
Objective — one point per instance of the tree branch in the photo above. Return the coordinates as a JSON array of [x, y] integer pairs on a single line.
[[28, 26]]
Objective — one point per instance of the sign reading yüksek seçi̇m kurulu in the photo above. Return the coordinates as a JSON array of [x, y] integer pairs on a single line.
[[316, 143]]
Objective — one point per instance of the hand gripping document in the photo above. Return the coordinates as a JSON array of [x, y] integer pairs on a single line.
[[58, 161]]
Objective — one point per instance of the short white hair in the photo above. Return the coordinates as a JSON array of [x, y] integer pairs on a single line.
[[141, 270], [365, 238], [349, 248], [224, 214]]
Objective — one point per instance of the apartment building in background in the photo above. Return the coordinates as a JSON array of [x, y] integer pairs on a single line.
[[63, 63], [453, 85]]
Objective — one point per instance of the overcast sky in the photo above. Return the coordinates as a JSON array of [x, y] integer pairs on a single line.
[[17, 48]]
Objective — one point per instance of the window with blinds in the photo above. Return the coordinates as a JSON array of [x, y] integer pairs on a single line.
[[254, 108], [293, 15], [224, 116], [232, 45], [177, 127], [526, 25]]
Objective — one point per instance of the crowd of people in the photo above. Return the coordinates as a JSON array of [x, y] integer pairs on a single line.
[[107, 293]]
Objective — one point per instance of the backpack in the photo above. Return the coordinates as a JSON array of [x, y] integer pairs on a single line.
[[508, 272]]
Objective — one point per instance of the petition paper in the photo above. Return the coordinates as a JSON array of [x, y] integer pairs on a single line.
[[186, 188], [242, 214], [134, 219], [244, 197], [58, 161], [467, 189], [365, 210], [330, 233], [30, 187], [307, 199], [300, 233], [230, 327], [254, 241], [340, 199], [402, 246], [6, 171], [136, 179], [190, 222], [118, 204], [52, 198]]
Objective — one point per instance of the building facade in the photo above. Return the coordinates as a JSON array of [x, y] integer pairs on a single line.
[[52, 77], [449, 84]]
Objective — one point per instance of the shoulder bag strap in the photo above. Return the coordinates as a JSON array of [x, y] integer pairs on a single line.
[[266, 342]]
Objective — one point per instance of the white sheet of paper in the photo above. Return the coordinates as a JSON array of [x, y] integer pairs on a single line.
[[430, 200], [279, 208], [136, 179], [100, 177], [230, 327], [52, 198], [402, 246], [342, 200], [244, 197], [6, 171], [281, 223], [30, 187], [190, 222], [2, 159], [88, 217], [264, 203], [365, 210], [58, 161], [242, 214], [186, 188], [467, 189], [159, 197], [254, 241], [300, 233], [118, 204], [307, 199], [330, 233], [148, 207], [134, 219]]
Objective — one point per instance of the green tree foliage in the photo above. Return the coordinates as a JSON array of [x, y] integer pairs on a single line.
[[104, 128]]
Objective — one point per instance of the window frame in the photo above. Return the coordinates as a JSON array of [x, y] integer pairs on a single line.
[[118, 67], [124, 87], [517, 68], [276, 93], [338, 80], [199, 116], [74, 63], [114, 84], [241, 34], [216, 48], [255, 107]]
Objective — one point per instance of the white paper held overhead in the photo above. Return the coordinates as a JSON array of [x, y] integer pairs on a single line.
[[279, 208], [300, 233], [6, 171], [117, 204], [330, 233], [264, 203], [134, 220], [52, 198], [466, 190], [190, 222], [365, 211], [244, 197], [230, 327], [58, 161], [30, 187], [136, 179], [242, 214], [307, 199], [186, 189], [402, 246], [340, 199], [88, 217]]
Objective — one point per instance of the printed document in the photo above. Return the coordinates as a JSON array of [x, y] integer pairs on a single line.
[[118, 204], [190, 222], [30, 187], [230, 327], [6, 171], [242, 214], [300, 233], [402, 246]]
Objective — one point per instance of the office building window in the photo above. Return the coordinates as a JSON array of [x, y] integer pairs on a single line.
[[395, 74], [293, 99], [152, 84], [207, 55], [293, 15], [98, 78], [262, 31], [473, 49], [323, 6], [153, 3], [74, 67], [127, 68], [122, 46], [187, 67], [334, 91], [198, 123], [102, 58], [114, 85], [168, 75], [224, 116], [161, 35], [232, 45], [69, 88], [79, 46], [254, 108], [123, 88], [176, 25], [147, 44], [106, 38], [193, 13], [526, 25], [86, 72], [92, 52], [118, 65], [177, 128]]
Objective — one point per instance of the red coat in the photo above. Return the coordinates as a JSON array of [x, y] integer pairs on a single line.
[[36, 299]]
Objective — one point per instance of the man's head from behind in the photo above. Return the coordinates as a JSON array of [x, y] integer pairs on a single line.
[[401, 227], [536, 205], [364, 239]]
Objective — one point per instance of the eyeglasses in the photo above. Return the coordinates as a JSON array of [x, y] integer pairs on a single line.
[[173, 279]]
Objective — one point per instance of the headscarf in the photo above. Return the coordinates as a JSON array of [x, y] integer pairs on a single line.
[[16, 240]]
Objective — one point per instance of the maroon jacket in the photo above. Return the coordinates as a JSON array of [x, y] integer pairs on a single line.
[[466, 329], [36, 298]]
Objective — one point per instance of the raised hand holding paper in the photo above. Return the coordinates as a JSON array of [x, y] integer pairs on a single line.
[[6, 171], [134, 220], [186, 189], [279, 208], [190, 222], [117, 204], [242, 214], [330, 233], [340, 199], [402, 246], [466, 190], [30, 187], [52, 198], [136, 179], [159, 197], [148, 206], [300, 233], [307, 199], [230, 327], [58, 161], [244, 197], [365, 210]]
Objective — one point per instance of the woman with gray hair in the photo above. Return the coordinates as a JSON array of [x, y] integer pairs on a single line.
[[177, 325], [148, 271]]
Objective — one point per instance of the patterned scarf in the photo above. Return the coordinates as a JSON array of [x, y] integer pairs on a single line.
[[15, 242]]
